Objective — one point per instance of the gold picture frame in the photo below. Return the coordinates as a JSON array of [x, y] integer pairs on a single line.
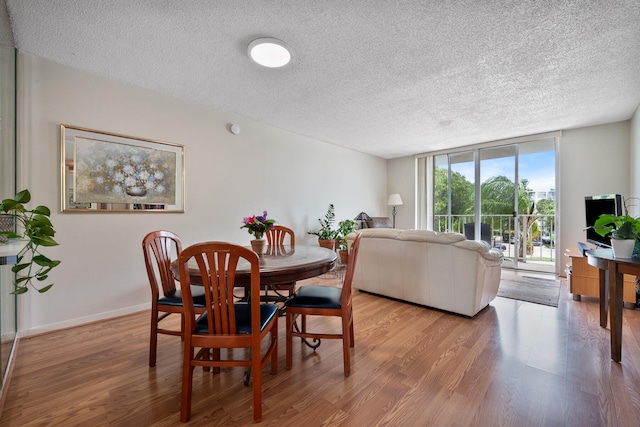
[[107, 172]]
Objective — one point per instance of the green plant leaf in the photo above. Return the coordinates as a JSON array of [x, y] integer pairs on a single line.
[[23, 196], [41, 220], [44, 241], [42, 210], [20, 290], [45, 289], [19, 267], [10, 204], [43, 272], [44, 261], [50, 263]]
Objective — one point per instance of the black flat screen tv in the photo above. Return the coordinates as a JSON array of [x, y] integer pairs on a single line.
[[594, 206]]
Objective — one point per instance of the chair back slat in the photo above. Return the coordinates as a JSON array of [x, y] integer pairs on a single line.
[[278, 234]]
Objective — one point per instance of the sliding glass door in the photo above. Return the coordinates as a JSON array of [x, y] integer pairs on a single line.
[[454, 196], [536, 200], [498, 196], [503, 195]]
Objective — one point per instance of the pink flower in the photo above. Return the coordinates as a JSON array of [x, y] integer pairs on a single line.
[[258, 225]]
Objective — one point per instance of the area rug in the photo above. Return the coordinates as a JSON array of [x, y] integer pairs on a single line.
[[531, 289]]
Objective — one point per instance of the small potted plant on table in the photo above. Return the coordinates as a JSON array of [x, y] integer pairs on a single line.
[[624, 231], [257, 225]]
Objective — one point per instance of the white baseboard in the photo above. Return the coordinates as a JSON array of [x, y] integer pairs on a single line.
[[82, 320]]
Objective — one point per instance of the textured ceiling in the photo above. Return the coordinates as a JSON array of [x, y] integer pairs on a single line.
[[388, 78]]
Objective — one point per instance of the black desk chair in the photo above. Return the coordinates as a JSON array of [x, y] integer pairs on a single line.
[[485, 231]]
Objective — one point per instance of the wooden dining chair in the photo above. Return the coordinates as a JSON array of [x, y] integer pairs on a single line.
[[157, 247], [276, 239], [278, 234], [226, 323], [324, 301]]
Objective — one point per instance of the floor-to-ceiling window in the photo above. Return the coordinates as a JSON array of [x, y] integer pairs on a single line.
[[502, 193]]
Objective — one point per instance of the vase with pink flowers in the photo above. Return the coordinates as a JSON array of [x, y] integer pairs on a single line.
[[257, 225]]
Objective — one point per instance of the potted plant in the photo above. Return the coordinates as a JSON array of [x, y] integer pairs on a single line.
[[327, 234], [624, 231], [344, 228], [257, 225], [37, 231]]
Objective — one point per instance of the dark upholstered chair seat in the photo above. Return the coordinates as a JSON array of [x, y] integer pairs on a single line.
[[316, 297], [175, 299], [243, 318]]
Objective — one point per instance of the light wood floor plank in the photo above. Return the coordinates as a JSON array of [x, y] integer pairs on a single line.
[[514, 364]]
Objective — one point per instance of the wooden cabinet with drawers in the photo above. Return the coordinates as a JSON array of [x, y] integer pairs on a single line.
[[584, 279]]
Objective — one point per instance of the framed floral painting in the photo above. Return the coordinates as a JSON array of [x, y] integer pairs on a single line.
[[108, 172]]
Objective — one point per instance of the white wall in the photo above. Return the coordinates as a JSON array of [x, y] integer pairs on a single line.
[[227, 178], [634, 130], [593, 160], [401, 174]]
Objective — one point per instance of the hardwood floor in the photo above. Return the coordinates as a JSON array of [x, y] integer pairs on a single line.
[[514, 364]]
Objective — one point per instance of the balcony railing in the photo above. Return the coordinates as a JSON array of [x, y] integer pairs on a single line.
[[503, 231]]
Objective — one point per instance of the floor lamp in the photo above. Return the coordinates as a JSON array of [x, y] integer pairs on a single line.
[[394, 200]]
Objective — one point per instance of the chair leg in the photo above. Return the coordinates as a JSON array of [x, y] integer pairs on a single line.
[[216, 358], [257, 385], [274, 342], [351, 334], [153, 337], [187, 385], [289, 341], [182, 325], [346, 340]]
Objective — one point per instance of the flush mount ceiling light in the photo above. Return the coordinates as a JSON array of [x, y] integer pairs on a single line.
[[269, 52]]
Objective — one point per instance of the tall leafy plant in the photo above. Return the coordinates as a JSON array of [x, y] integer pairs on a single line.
[[326, 230], [37, 231]]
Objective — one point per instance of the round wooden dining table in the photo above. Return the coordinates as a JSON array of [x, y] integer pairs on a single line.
[[280, 265]]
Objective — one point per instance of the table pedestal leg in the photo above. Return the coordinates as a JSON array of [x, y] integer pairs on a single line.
[[615, 301], [604, 296]]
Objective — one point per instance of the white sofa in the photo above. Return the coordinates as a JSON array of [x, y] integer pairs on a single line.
[[440, 270]]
